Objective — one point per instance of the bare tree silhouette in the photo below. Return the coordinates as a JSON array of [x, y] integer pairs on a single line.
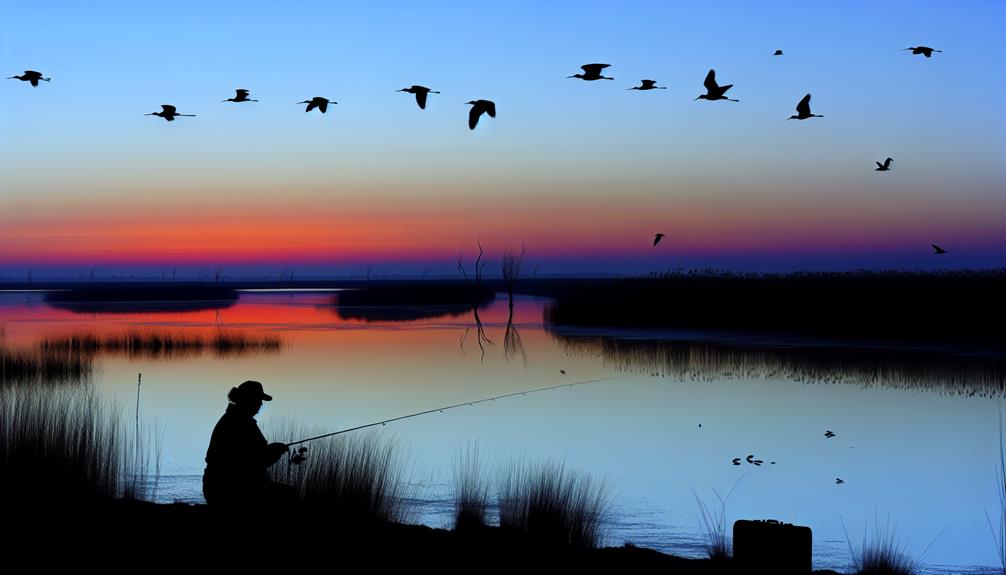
[[511, 265]]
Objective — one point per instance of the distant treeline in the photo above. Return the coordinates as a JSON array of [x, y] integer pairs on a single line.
[[951, 307], [404, 301]]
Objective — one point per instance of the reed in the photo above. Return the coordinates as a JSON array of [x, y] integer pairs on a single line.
[[471, 491]]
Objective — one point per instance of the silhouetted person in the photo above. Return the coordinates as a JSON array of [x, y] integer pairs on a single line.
[[592, 72], [713, 90], [318, 102], [924, 50], [647, 85], [480, 107], [168, 112], [241, 95], [803, 110], [30, 76], [421, 92], [238, 457], [885, 167]]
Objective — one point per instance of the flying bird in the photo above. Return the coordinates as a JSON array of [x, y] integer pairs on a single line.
[[886, 166], [803, 110], [318, 102], [778, 53], [647, 85], [939, 251], [736, 461], [758, 462], [168, 113], [241, 95], [30, 76], [420, 92], [713, 90], [562, 371], [657, 238], [838, 481], [924, 50], [592, 72], [829, 434], [749, 458], [480, 107]]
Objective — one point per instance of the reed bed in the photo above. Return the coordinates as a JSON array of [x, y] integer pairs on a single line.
[[882, 554], [161, 344], [33, 366], [471, 491]]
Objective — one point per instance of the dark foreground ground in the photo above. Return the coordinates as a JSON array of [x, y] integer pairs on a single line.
[[144, 536]]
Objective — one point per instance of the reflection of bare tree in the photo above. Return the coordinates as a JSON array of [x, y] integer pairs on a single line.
[[461, 342], [511, 269], [482, 338], [512, 344]]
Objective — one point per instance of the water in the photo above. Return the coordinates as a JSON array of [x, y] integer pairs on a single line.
[[919, 455]]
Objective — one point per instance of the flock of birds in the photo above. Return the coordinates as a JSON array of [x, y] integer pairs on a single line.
[[758, 462], [591, 72]]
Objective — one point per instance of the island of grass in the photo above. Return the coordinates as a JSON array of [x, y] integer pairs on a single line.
[[412, 300]]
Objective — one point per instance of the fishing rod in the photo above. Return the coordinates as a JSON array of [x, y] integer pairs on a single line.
[[456, 405]]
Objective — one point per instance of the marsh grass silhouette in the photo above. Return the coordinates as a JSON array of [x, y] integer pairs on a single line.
[[158, 344], [471, 491], [881, 553], [43, 366]]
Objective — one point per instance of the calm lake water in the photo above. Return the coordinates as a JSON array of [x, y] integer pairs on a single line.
[[913, 453]]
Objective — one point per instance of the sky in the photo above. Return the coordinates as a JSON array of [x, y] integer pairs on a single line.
[[580, 173]]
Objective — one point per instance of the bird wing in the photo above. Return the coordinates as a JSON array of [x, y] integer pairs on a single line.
[[168, 109], [421, 98], [473, 116], [938, 249], [490, 107], [34, 81], [323, 106], [887, 162], [311, 105], [803, 108], [649, 83], [710, 82], [723, 89], [418, 88], [242, 93], [879, 165], [594, 68]]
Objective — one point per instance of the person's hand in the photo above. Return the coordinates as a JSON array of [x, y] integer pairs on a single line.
[[279, 448]]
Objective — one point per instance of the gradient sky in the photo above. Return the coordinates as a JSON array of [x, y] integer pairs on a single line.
[[583, 172]]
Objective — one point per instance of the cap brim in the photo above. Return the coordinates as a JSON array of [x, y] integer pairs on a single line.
[[266, 397]]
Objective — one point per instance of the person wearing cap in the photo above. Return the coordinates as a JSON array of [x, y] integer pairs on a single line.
[[238, 457]]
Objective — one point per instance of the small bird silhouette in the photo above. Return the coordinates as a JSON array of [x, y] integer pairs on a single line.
[[168, 113], [562, 371], [886, 166], [838, 481], [241, 95], [713, 90], [736, 461], [749, 458], [803, 110], [778, 53], [318, 102], [30, 76], [924, 50], [647, 85], [657, 238], [592, 72], [939, 251], [420, 92], [480, 107], [829, 434], [758, 462]]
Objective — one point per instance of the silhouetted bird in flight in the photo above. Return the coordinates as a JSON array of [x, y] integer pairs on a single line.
[[939, 251], [778, 53], [736, 461], [713, 90], [657, 238], [829, 434], [30, 76], [480, 107], [803, 110], [647, 85], [886, 166], [924, 50], [168, 113], [838, 481], [420, 92], [318, 102], [749, 458], [758, 462], [592, 72], [241, 95], [562, 371]]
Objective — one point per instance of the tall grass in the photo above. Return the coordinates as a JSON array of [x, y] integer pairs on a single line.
[[715, 526], [881, 553], [20, 366], [553, 504], [160, 344], [471, 491], [1000, 537], [349, 478], [66, 445]]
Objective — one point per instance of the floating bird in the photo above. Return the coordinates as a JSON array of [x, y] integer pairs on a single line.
[[168, 113], [737, 461], [420, 92], [778, 53], [30, 76], [829, 434], [657, 238], [749, 458], [480, 107], [803, 110], [592, 72], [647, 85], [939, 251], [241, 95], [758, 462], [318, 102], [924, 50], [713, 90], [838, 481], [885, 167]]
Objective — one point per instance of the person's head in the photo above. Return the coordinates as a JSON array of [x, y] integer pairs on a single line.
[[248, 396]]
